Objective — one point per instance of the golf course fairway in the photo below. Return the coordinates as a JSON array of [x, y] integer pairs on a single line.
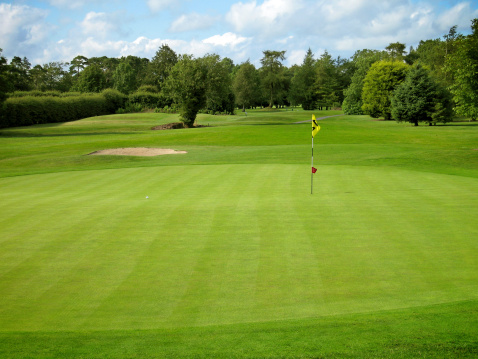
[[224, 252]]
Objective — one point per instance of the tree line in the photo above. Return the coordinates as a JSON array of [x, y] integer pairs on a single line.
[[430, 83]]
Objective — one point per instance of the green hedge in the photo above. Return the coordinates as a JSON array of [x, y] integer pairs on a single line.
[[115, 99], [34, 93], [31, 110], [148, 100]]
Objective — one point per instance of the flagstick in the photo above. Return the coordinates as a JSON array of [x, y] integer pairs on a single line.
[[311, 172]]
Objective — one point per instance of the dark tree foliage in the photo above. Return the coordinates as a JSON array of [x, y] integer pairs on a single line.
[[246, 85], [362, 60], [78, 64], [124, 78], [419, 99], [160, 66], [107, 65], [51, 77], [186, 85], [19, 74], [219, 95], [396, 50], [4, 83], [327, 83], [272, 73], [344, 71], [91, 79], [303, 85], [431, 54]]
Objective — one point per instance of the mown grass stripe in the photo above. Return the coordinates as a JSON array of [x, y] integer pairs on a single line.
[[180, 249]]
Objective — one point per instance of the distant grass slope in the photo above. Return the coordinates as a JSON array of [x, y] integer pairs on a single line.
[[260, 137], [230, 255]]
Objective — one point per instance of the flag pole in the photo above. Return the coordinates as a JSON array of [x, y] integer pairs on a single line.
[[315, 129], [312, 172]]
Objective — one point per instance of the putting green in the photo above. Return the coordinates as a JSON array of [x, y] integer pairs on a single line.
[[221, 244]]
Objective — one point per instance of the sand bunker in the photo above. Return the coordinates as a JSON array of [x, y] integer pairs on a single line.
[[138, 151]]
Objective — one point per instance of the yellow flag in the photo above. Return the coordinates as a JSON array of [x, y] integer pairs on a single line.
[[315, 126]]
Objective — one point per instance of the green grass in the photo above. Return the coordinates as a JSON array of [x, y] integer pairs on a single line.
[[231, 256], [443, 331]]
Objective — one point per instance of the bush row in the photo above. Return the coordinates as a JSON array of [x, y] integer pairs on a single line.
[[144, 100], [149, 100], [31, 110], [38, 93]]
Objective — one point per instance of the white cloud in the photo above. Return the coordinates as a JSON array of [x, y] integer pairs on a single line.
[[192, 22], [100, 25], [350, 25], [387, 23], [271, 17], [242, 31], [22, 27], [296, 57], [228, 39], [158, 5], [144, 47], [72, 4], [357, 9], [461, 15], [285, 40], [228, 44], [90, 47]]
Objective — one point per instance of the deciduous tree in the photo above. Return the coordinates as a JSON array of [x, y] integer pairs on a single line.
[[219, 95], [91, 79], [362, 60], [396, 51], [160, 66], [462, 64], [51, 77], [186, 85], [124, 78], [381, 80], [107, 65], [246, 85], [20, 73]]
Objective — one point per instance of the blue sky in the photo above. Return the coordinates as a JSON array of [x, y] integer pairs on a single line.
[[58, 30]]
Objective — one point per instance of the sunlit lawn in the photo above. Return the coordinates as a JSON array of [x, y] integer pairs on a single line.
[[224, 252]]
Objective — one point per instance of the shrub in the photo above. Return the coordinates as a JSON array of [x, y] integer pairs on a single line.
[[115, 99], [148, 88], [35, 93], [145, 99], [31, 110], [174, 108], [73, 94], [130, 108]]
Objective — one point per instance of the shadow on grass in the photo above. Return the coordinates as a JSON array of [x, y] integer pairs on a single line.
[[461, 124], [31, 134]]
